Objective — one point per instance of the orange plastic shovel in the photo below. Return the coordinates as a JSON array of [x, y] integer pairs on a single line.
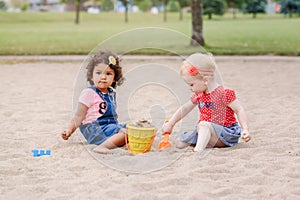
[[166, 142]]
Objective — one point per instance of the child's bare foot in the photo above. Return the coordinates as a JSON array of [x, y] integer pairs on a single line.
[[102, 150]]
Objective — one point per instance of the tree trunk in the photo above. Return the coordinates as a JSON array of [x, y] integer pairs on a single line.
[[165, 10], [180, 14], [234, 10], [77, 11], [126, 14], [125, 4], [197, 24], [126, 10]]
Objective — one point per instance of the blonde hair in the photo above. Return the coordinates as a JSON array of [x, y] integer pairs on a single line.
[[204, 63]]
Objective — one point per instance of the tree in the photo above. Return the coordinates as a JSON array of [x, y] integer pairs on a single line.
[[144, 5], [164, 3], [197, 22], [213, 7], [125, 4], [234, 5], [17, 3], [290, 7], [107, 5], [77, 4], [2, 5], [255, 6], [182, 4], [173, 6]]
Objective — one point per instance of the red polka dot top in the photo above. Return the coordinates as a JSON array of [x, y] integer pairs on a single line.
[[213, 106]]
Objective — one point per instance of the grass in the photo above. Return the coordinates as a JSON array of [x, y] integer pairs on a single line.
[[55, 33]]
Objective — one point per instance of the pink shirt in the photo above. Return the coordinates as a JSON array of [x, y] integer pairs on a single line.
[[213, 106], [96, 105]]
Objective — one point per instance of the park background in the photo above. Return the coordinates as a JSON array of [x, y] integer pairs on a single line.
[[41, 53], [240, 27]]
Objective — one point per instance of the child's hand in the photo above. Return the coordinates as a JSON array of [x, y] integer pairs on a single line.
[[167, 127], [65, 135], [246, 136]]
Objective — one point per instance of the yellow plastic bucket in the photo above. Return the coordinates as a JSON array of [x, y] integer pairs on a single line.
[[139, 139]]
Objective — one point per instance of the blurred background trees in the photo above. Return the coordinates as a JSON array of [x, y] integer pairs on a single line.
[[255, 6], [290, 7], [197, 9], [234, 6], [211, 7]]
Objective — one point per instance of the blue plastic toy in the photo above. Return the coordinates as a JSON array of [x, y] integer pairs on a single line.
[[37, 153]]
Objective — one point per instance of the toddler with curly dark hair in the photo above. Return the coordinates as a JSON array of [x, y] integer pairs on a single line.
[[96, 114]]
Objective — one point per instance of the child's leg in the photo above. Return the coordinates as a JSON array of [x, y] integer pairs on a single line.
[[215, 140], [204, 136], [207, 136], [114, 141]]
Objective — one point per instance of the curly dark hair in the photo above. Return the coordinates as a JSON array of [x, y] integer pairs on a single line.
[[102, 57]]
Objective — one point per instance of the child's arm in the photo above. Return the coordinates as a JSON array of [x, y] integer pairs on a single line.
[[75, 121], [178, 115], [242, 117]]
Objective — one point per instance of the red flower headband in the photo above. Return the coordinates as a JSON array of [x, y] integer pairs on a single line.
[[193, 71]]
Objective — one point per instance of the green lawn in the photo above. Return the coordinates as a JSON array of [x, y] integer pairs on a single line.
[[55, 33]]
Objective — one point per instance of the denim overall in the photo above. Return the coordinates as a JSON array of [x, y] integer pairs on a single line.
[[107, 124]]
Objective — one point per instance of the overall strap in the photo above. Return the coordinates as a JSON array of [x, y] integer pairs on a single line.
[[97, 91], [111, 93]]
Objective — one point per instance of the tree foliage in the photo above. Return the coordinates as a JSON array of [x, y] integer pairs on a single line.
[[173, 6], [144, 5], [107, 5], [211, 7], [235, 3], [255, 6], [184, 3], [234, 6], [290, 7], [2, 5]]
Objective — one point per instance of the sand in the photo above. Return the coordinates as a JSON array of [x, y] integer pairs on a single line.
[[37, 103]]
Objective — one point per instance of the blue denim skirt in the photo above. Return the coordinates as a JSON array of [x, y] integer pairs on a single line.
[[97, 134], [228, 135]]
